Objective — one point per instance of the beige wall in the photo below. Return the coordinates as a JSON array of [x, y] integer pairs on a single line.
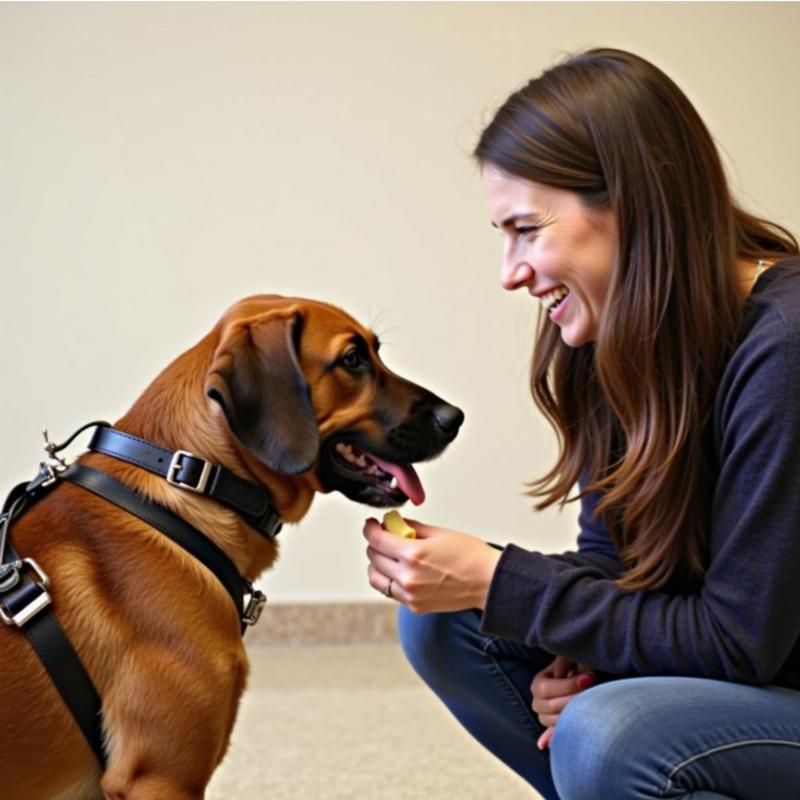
[[159, 161]]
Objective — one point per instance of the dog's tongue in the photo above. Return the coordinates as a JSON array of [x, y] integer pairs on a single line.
[[407, 479]]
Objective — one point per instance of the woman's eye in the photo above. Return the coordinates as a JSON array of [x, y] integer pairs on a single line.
[[526, 231]]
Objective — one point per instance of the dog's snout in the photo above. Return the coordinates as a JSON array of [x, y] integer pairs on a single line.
[[448, 418]]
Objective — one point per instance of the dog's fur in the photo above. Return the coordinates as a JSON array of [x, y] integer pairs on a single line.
[[266, 395]]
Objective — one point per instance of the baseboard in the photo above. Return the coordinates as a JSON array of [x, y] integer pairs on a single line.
[[324, 623]]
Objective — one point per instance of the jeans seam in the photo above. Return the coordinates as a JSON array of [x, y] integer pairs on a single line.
[[718, 749], [511, 690]]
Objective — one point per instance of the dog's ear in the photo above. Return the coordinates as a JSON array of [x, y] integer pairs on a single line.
[[257, 380]]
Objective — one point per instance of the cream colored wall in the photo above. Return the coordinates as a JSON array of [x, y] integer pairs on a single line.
[[159, 161]]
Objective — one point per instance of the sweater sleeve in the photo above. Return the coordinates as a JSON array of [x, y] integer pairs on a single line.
[[595, 548], [741, 624]]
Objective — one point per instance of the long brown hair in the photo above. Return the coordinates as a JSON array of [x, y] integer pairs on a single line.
[[631, 409]]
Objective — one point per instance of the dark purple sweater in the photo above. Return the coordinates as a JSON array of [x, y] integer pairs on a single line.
[[743, 622]]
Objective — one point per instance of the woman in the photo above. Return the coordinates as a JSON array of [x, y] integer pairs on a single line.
[[662, 659]]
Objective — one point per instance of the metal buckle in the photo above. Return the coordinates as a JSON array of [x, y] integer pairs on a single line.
[[54, 466], [255, 605], [37, 604], [175, 465], [9, 576]]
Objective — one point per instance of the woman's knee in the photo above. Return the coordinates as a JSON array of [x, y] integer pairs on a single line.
[[600, 749], [645, 737]]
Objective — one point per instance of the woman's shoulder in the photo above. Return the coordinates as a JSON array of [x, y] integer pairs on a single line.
[[773, 308], [768, 347], [760, 377]]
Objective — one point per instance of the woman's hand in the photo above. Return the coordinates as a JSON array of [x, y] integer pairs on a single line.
[[554, 688], [440, 570]]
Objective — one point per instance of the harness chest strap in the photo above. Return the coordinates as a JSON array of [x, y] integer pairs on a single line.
[[183, 534], [26, 603]]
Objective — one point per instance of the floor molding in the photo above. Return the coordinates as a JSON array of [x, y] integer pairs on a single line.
[[325, 623]]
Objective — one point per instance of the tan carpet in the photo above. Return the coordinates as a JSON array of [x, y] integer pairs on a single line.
[[345, 722]]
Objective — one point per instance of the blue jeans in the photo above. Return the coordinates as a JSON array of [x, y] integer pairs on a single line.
[[629, 739]]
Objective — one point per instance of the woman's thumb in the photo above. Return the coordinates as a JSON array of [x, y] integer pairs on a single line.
[[561, 667], [422, 530]]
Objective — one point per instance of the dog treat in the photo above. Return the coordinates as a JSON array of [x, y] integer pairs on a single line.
[[394, 523]]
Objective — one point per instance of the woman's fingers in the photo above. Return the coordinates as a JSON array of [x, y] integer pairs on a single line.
[[560, 677], [561, 667], [378, 580], [543, 742], [441, 570], [558, 669], [424, 531], [551, 706], [383, 541], [382, 567], [388, 566], [553, 688], [552, 681]]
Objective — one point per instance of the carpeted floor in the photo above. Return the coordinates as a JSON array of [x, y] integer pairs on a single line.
[[351, 722]]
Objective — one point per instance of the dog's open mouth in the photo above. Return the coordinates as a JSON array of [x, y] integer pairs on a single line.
[[367, 478]]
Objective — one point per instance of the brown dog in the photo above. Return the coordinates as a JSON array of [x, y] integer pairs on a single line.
[[275, 393]]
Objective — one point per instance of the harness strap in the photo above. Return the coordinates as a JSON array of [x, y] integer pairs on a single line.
[[183, 534], [194, 473], [26, 603], [58, 656]]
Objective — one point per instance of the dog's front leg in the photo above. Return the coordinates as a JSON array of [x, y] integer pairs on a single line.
[[168, 721]]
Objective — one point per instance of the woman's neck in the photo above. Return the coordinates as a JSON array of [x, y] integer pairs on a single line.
[[748, 271]]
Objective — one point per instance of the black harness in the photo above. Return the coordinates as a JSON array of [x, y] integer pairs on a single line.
[[25, 600]]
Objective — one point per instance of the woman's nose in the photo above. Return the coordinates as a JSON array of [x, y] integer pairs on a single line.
[[514, 274]]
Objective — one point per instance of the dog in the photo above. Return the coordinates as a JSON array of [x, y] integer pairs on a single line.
[[287, 393]]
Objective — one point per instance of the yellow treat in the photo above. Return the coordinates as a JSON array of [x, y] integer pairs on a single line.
[[394, 523]]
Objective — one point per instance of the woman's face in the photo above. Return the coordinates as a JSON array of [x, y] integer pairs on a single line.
[[554, 246]]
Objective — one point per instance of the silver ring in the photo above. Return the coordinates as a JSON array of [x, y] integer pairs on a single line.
[[388, 591]]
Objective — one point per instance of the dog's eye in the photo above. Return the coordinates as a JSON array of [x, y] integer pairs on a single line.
[[351, 359]]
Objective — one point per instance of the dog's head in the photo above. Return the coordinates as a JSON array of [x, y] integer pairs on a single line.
[[302, 387]]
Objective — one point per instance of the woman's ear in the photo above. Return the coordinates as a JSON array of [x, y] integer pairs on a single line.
[[256, 379]]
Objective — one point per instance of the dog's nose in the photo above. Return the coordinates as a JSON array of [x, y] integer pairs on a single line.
[[448, 418]]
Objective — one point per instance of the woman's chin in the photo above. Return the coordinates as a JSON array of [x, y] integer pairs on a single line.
[[576, 336]]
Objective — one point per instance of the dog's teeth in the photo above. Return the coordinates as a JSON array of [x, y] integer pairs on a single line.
[[346, 451], [393, 482]]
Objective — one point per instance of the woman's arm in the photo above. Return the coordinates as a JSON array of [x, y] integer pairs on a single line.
[[453, 570], [742, 623]]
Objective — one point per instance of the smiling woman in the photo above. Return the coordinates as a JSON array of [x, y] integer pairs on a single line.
[[638, 224], [665, 359]]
